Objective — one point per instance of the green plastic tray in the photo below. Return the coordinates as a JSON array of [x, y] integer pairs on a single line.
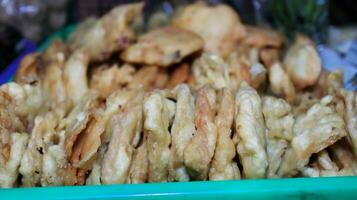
[[273, 189]]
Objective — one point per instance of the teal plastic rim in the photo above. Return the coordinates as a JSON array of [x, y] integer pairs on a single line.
[[273, 189]]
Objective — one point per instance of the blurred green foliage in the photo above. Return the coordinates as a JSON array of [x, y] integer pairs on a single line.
[[307, 16]]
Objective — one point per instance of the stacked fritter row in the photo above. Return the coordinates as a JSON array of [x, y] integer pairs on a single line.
[[173, 135], [190, 101]]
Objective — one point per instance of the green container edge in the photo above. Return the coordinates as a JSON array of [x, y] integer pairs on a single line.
[[271, 189], [325, 188]]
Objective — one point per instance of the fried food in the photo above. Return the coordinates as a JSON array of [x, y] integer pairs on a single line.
[[109, 34], [262, 37], [96, 172], [10, 157], [179, 75], [269, 56], [250, 128], [211, 69], [280, 83], [244, 65], [219, 26], [28, 71], [199, 152], [144, 77], [350, 99], [302, 63], [279, 123], [126, 125], [163, 47], [75, 75], [316, 129], [105, 80], [139, 166], [156, 128], [181, 132], [223, 167]]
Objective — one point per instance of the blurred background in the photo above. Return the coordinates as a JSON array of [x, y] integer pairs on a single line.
[[25, 24]]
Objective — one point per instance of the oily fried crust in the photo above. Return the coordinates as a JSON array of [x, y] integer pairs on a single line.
[[163, 47], [203, 20], [199, 151], [316, 129], [350, 99], [280, 83], [9, 164], [179, 75], [250, 128], [279, 123], [139, 167], [223, 167], [181, 132], [157, 119], [127, 124]]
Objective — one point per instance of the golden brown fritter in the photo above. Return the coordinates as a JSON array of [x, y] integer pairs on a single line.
[[250, 129], [163, 47], [302, 62], [156, 130], [109, 34], [223, 167], [181, 132], [199, 152], [262, 37], [219, 26], [280, 83]]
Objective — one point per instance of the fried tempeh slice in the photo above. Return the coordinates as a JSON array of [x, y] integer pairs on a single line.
[[279, 123], [250, 128], [182, 130], [156, 131], [11, 154], [199, 151], [163, 47], [108, 34], [205, 20], [223, 167], [318, 128], [127, 124]]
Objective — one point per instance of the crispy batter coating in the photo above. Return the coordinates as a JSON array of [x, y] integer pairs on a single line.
[[316, 129], [181, 132], [109, 34], [126, 125], [280, 83], [156, 126], [279, 122], [140, 165], [302, 63], [96, 173], [219, 26], [28, 71], [350, 99], [244, 65], [105, 80], [10, 157], [223, 167], [163, 47], [342, 155], [144, 77], [199, 152], [250, 128], [262, 37], [75, 75], [211, 69]]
